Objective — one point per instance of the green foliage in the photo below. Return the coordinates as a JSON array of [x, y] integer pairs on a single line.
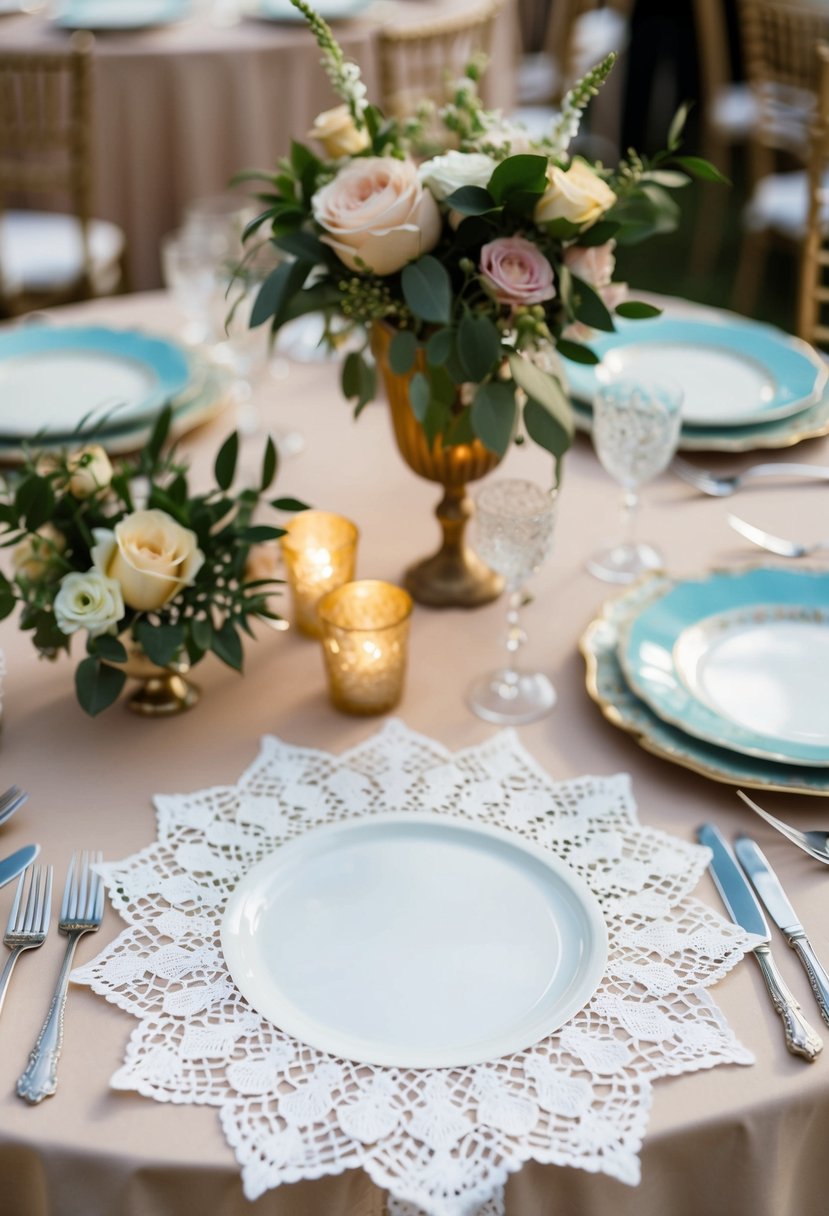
[[53, 532], [427, 289]]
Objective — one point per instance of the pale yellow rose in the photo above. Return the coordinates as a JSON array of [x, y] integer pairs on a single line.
[[377, 215], [577, 194], [88, 601], [338, 133], [89, 471], [31, 555], [150, 555]]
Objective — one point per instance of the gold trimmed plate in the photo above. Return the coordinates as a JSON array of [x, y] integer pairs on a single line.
[[607, 686]]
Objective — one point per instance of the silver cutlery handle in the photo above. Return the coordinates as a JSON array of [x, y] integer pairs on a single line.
[[801, 1040], [7, 973], [39, 1079], [813, 967], [786, 469]]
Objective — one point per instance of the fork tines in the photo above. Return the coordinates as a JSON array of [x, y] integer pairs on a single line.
[[83, 895], [35, 914], [11, 801]]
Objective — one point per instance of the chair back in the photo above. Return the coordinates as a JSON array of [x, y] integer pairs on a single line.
[[813, 302], [424, 59], [45, 131], [779, 39]]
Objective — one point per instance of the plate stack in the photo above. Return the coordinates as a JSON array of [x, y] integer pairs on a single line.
[[725, 674], [747, 385], [65, 385]]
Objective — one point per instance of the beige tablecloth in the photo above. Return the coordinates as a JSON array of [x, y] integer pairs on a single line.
[[737, 1141], [178, 110]]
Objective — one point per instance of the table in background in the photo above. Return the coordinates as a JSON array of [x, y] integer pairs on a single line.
[[179, 109], [742, 1141]]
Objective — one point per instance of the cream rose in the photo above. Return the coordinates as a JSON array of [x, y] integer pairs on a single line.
[[377, 211], [445, 174], [89, 471], [338, 133], [88, 601], [31, 555], [150, 555], [578, 195]]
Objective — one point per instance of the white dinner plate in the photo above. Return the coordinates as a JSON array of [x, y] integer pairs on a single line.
[[60, 380], [414, 940], [739, 658], [120, 14], [733, 371]]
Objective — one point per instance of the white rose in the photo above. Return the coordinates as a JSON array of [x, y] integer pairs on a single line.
[[90, 470], [578, 195], [150, 555], [446, 174], [88, 601], [377, 211], [338, 133], [31, 555]]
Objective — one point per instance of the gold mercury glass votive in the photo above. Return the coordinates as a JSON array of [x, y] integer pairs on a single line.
[[320, 550], [365, 634]]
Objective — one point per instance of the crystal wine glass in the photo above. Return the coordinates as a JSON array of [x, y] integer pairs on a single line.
[[635, 433], [513, 533]]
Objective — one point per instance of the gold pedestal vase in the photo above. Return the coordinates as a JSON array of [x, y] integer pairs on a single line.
[[162, 691], [453, 577]]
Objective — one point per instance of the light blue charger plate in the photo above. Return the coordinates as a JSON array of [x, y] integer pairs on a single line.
[[64, 380], [607, 686], [739, 658], [329, 10], [100, 15], [734, 372]]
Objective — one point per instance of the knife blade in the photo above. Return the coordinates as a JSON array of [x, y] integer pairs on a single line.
[[770, 889], [745, 911], [15, 864]]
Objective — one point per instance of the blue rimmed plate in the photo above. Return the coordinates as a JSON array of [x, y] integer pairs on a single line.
[[738, 658], [607, 686], [734, 372], [120, 14], [70, 380], [330, 10]]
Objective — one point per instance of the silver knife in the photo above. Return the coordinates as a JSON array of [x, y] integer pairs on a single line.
[[768, 887], [744, 910], [11, 866]]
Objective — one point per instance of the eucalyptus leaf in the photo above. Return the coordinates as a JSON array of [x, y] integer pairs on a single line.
[[420, 394], [160, 643], [97, 685], [402, 352], [493, 415], [258, 534], [470, 200], [201, 632], [439, 347], [590, 308], [278, 289], [108, 647], [637, 310], [576, 351], [525, 173], [289, 504], [427, 289], [479, 346]]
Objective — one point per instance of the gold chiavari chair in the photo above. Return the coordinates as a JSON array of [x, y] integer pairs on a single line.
[[813, 301], [60, 253], [779, 39], [422, 59]]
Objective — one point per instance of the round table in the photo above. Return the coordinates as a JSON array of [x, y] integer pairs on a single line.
[[179, 109]]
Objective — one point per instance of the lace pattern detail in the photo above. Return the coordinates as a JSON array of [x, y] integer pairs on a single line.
[[441, 1141]]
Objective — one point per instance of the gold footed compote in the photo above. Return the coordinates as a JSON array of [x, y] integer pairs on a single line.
[[162, 691]]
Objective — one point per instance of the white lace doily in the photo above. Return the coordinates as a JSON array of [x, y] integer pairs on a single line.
[[441, 1141]]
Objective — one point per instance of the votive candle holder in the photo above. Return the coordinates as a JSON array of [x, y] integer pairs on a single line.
[[365, 635], [320, 552]]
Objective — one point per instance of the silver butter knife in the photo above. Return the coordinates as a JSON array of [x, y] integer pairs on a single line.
[[11, 866], [745, 911], [769, 888]]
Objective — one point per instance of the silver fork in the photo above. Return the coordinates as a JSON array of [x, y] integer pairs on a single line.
[[816, 844], [28, 921], [775, 544], [80, 912], [720, 485], [11, 801]]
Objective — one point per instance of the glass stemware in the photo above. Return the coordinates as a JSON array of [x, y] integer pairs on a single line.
[[512, 531], [635, 433]]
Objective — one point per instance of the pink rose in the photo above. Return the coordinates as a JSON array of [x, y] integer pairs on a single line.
[[516, 272], [594, 265], [376, 210]]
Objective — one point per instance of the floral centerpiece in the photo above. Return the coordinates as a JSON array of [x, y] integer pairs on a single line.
[[464, 251], [153, 576]]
